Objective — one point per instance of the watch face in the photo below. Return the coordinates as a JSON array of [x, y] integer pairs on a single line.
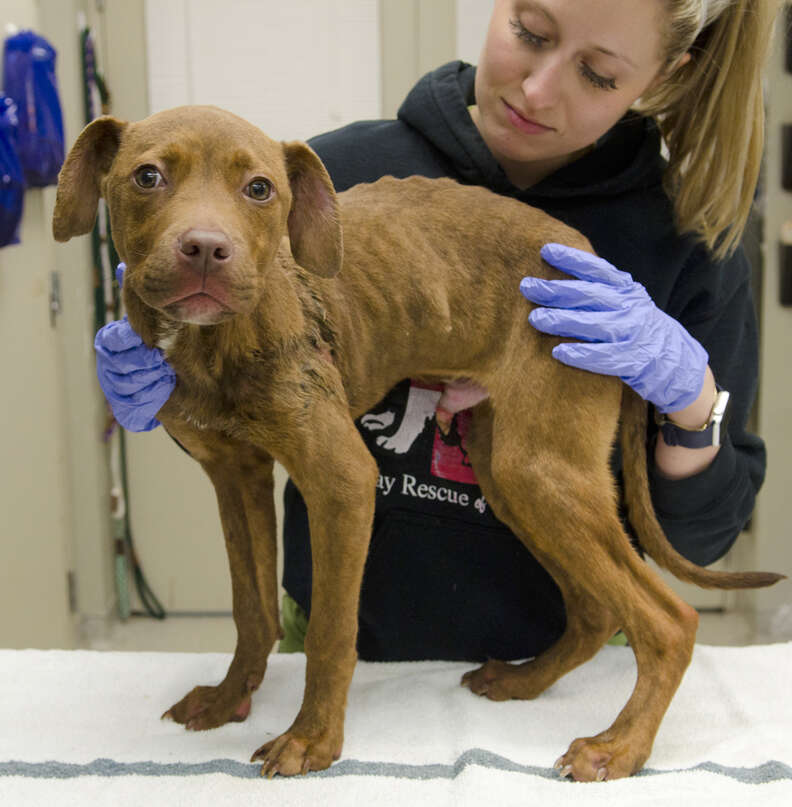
[[721, 405]]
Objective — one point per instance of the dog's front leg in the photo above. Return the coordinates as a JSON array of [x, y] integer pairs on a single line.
[[337, 478], [243, 482]]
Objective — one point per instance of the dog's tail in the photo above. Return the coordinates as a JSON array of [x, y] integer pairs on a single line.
[[641, 514]]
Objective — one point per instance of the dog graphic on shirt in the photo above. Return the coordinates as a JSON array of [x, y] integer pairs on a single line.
[[449, 458]]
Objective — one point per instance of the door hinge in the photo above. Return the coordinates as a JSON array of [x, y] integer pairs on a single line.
[[54, 297], [71, 585]]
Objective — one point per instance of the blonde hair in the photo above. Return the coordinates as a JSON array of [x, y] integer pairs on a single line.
[[711, 113]]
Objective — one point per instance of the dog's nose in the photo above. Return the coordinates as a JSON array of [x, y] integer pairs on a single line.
[[205, 247]]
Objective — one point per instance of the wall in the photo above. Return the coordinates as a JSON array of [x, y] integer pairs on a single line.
[[52, 480], [472, 18], [416, 36], [284, 68], [772, 521]]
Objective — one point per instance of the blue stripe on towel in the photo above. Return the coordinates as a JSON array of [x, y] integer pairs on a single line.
[[761, 774]]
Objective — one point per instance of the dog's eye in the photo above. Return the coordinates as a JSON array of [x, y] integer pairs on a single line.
[[260, 189], [148, 177]]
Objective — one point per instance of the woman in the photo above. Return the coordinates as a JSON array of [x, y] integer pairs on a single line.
[[549, 118]]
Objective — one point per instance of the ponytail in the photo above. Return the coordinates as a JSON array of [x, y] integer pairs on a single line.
[[711, 114]]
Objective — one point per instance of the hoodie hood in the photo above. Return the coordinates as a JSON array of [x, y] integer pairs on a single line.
[[625, 159]]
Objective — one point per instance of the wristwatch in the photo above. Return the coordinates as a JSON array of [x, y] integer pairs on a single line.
[[710, 434]]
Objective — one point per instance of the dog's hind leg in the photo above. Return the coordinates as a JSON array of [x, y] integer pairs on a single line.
[[588, 626], [243, 482], [661, 629], [559, 497]]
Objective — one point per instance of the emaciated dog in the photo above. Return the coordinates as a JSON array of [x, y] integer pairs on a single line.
[[281, 337]]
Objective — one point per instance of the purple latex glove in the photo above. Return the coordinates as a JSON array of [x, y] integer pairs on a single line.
[[136, 380], [622, 331]]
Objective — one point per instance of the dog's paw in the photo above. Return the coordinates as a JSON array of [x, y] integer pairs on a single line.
[[501, 681], [210, 707], [597, 759], [290, 754], [489, 680]]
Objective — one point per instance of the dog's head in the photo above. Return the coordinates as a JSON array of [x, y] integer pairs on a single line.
[[199, 201]]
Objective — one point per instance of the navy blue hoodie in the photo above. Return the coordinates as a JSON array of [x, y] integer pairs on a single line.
[[444, 579]]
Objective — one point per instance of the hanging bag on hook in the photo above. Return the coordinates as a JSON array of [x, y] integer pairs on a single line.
[[29, 78], [12, 179]]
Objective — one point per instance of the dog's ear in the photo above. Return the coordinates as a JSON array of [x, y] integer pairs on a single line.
[[79, 181], [314, 223]]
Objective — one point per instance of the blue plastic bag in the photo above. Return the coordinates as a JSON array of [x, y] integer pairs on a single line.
[[29, 78], [12, 179]]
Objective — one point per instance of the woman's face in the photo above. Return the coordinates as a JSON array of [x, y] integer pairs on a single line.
[[555, 75]]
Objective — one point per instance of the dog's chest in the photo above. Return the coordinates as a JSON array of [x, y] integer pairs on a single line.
[[262, 395]]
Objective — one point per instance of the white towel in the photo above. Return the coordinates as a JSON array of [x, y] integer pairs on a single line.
[[83, 728]]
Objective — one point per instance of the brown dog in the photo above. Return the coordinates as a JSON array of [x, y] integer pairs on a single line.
[[231, 241]]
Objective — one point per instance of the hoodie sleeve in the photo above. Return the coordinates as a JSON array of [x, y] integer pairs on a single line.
[[703, 515]]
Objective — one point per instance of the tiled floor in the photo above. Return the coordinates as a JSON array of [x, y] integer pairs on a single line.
[[217, 633]]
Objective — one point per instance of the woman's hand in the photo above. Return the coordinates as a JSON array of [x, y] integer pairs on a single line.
[[136, 380], [621, 331]]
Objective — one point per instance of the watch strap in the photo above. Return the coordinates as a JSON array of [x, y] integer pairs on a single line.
[[710, 434], [677, 436]]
